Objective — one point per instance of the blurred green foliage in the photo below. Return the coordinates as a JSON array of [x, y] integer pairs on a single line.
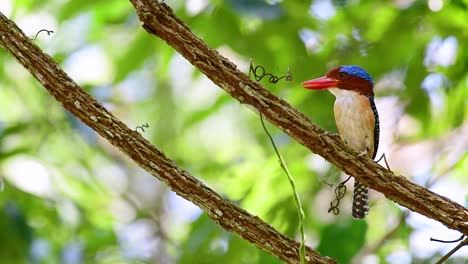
[[70, 197]]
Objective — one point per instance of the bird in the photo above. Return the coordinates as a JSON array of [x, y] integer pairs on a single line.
[[356, 118]]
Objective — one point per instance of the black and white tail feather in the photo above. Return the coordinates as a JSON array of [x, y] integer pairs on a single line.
[[360, 201], [361, 193]]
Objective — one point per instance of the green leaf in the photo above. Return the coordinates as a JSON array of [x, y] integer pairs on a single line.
[[342, 240]]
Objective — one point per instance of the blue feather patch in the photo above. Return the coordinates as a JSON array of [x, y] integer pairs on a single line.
[[357, 71]]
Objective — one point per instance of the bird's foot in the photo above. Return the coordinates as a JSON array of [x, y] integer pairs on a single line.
[[362, 154]]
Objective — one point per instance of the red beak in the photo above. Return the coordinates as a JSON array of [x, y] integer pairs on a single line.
[[320, 83]]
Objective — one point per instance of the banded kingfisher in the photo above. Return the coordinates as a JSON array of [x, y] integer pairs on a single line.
[[356, 118]]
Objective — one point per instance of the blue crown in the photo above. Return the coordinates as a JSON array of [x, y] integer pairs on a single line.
[[357, 71]]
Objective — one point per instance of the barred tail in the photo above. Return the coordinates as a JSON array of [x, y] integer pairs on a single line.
[[360, 200]]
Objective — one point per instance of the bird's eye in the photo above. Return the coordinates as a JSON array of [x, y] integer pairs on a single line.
[[341, 76]]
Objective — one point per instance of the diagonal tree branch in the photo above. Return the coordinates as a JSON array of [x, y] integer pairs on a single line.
[[159, 19], [92, 113]]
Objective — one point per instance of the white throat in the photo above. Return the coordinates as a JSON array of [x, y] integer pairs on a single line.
[[340, 93]]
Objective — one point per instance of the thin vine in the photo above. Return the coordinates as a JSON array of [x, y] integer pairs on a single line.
[[274, 79]]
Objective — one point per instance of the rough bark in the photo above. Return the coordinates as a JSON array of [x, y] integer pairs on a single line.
[[92, 113], [159, 19]]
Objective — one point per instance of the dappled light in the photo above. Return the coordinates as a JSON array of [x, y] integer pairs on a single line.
[[67, 195]]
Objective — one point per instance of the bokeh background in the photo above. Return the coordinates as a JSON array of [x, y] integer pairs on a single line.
[[70, 197]]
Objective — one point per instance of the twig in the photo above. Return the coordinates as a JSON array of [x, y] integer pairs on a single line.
[[79, 103], [43, 30], [385, 160], [259, 73], [429, 183], [340, 192], [142, 127], [297, 201], [451, 252], [447, 241], [159, 19]]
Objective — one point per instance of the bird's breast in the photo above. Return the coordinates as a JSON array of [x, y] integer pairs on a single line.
[[355, 120]]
